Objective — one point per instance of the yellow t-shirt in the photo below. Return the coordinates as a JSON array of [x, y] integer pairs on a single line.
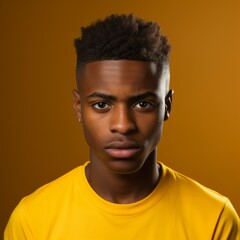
[[178, 208]]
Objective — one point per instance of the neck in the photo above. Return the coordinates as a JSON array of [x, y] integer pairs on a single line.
[[123, 188]]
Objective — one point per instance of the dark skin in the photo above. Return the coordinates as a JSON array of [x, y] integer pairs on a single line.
[[122, 105]]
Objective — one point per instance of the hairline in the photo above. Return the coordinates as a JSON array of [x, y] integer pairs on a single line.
[[81, 66]]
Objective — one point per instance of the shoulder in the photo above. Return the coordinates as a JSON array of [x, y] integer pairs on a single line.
[[196, 199], [202, 206], [55, 188], [47, 200], [189, 188]]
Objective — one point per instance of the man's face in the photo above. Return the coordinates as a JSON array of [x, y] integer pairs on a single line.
[[121, 104]]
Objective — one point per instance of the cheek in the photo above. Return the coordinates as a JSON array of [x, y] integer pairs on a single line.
[[93, 130], [154, 136], [87, 125], [151, 128], [151, 123], [87, 133]]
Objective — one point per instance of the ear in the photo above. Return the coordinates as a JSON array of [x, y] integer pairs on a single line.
[[77, 105], [168, 104]]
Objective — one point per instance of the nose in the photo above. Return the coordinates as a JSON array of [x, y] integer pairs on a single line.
[[122, 121]]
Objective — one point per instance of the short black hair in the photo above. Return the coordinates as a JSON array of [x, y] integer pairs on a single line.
[[122, 37]]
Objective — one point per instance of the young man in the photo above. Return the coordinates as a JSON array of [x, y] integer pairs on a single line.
[[123, 192]]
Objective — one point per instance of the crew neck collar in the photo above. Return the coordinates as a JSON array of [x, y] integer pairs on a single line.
[[131, 208]]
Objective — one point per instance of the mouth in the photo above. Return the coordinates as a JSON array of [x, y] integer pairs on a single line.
[[122, 149]]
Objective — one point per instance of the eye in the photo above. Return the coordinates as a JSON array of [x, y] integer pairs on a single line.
[[143, 105], [101, 106]]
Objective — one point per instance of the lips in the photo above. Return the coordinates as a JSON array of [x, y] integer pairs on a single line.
[[122, 149]]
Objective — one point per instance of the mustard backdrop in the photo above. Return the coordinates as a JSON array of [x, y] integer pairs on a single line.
[[40, 137]]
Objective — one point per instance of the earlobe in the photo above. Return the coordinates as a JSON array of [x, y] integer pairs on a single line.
[[168, 104], [77, 105]]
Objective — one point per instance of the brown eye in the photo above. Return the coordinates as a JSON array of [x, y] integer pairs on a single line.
[[101, 106], [144, 105]]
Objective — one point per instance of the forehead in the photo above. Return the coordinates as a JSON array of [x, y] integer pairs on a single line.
[[114, 75], [122, 68]]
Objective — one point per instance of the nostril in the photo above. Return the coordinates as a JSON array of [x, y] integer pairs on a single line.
[[123, 131]]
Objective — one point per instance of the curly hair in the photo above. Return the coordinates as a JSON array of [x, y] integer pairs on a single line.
[[122, 37]]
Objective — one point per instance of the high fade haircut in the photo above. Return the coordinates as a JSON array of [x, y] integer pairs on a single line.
[[122, 37]]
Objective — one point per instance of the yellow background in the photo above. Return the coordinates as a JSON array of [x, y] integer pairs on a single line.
[[40, 137]]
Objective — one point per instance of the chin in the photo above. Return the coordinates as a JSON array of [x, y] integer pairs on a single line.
[[125, 166]]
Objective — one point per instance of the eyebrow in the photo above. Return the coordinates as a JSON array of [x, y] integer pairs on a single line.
[[132, 98], [143, 96], [102, 95]]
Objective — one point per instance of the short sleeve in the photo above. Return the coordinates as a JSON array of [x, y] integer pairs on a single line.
[[17, 227], [228, 225]]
